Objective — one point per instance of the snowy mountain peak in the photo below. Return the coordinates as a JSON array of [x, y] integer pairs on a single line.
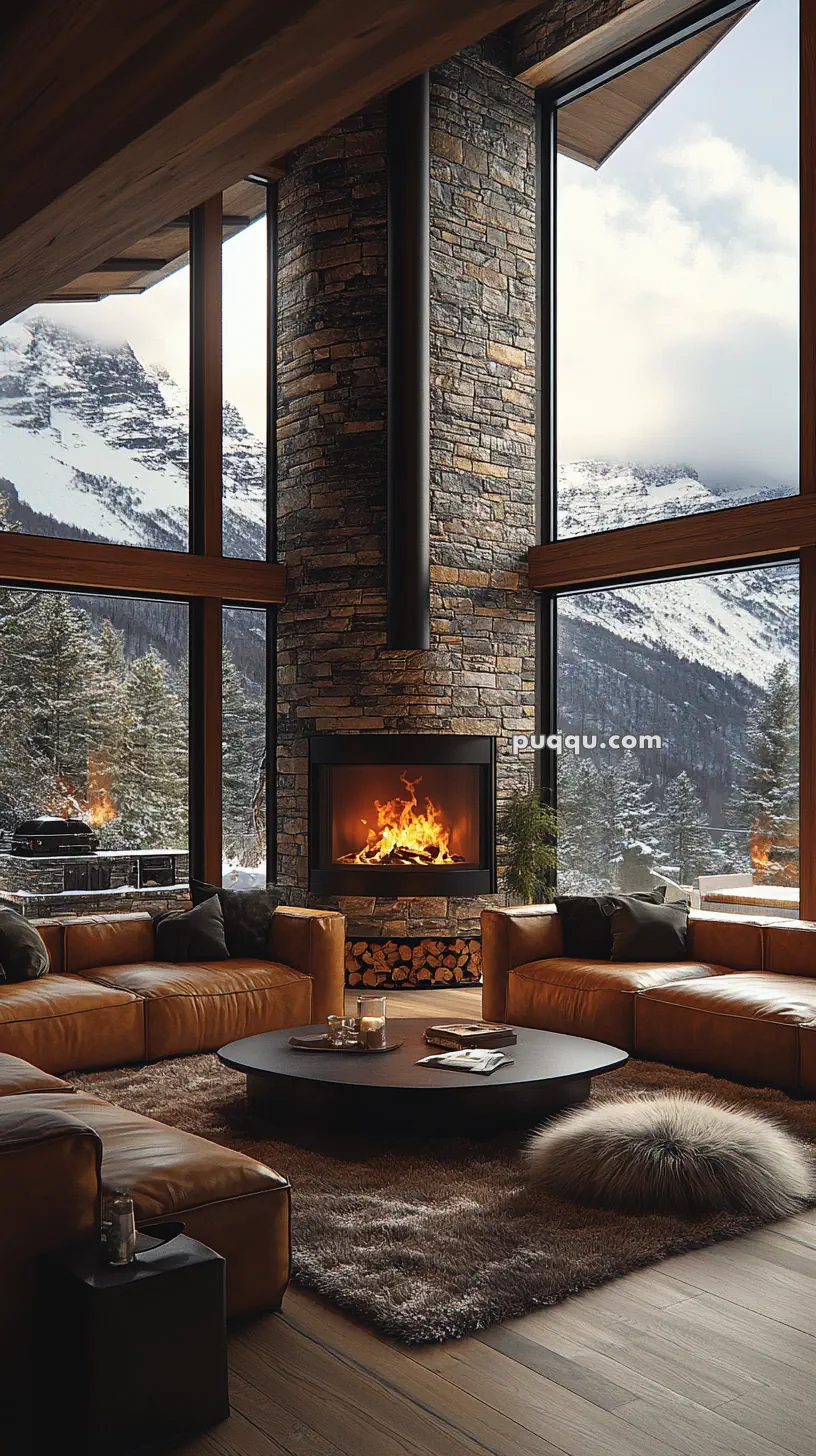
[[94, 440]]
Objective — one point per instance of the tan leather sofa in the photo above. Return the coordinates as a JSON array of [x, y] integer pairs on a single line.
[[57, 1148], [743, 1004], [107, 1000]]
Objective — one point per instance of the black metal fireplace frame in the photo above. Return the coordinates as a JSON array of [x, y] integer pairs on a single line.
[[326, 750]]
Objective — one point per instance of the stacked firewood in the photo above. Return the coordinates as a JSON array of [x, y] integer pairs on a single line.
[[415, 963]]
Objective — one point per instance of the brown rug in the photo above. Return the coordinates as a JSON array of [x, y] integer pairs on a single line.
[[434, 1238]]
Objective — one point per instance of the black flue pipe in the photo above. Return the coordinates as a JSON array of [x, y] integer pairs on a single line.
[[409, 402]]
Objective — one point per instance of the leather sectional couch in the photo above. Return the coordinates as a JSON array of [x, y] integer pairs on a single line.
[[107, 1002], [743, 1004]]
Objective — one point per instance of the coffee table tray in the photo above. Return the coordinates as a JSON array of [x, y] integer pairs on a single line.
[[322, 1044]]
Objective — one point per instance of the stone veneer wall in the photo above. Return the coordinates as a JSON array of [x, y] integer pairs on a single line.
[[335, 673], [551, 28]]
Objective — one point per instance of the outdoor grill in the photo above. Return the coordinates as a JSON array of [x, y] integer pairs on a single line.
[[50, 834]]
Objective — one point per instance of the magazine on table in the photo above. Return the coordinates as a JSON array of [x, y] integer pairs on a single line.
[[469, 1059]]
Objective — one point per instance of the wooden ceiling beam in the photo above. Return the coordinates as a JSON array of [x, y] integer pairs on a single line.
[[117, 117], [691, 543]]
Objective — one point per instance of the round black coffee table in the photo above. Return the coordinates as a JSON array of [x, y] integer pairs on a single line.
[[549, 1071]]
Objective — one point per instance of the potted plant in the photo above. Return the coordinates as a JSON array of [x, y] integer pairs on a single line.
[[529, 829]]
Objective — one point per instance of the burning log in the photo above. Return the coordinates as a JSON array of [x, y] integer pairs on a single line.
[[404, 836]]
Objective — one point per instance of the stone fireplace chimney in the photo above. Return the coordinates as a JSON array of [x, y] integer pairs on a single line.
[[336, 673]]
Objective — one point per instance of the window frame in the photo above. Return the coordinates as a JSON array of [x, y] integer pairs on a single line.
[[741, 536]]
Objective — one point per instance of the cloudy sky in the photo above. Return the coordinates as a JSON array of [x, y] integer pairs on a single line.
[[157, 324], [678, 279], [678, 272]]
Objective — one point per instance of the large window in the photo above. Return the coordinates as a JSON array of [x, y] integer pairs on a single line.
[[677, 280], [133, 414], [94, 415], [684, 695]]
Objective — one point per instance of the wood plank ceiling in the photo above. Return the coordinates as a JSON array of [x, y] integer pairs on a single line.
[[116, 118], [591, 128], [152, 258]]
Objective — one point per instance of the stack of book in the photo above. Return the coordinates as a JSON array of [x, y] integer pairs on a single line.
[[467, 1035]]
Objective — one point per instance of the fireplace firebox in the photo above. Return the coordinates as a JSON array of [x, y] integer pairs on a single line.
[[403, 814]]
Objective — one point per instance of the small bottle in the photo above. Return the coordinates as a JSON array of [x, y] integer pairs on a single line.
[[120, 1244]]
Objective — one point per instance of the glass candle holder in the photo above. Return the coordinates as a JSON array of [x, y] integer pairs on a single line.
[[342, 1030], [371, 1011]]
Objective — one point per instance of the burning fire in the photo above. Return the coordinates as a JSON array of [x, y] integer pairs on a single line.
[[775, 856], [405, 837], [97, 809]]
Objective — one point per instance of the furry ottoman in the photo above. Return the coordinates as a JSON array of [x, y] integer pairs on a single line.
[[672, 1154]]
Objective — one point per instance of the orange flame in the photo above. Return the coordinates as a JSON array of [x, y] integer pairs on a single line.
[[99, 809], [405, 837], [775, 857]]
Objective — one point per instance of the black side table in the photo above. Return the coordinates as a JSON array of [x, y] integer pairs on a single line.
[[136, 1355]]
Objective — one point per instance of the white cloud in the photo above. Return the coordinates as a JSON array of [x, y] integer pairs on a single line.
[[678, 313]]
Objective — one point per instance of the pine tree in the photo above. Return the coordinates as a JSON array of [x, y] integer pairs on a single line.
[[107, 734], [23, 767], [244, 736], [630, 813], [61, 659], [687, 846], [606, 817], [150, 785], [768, 800], [583, 851]]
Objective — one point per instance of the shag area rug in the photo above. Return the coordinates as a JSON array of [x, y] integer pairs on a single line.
[[432, 1238]]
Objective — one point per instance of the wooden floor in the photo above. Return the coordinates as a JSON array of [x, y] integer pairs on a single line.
[[710, 1353]]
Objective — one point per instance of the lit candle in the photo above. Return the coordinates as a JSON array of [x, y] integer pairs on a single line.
[[372, 1032]]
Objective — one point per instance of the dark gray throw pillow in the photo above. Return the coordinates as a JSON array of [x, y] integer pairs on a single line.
[[647, 932], [247, 916], [23, 956], [192, 935], [585, 925]]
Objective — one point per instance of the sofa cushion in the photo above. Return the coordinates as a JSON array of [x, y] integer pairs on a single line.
[[247, 916], [191, 935], [585, 922], [200, 1006], [744, 1025], [99, 940], [50, 932], [584, 926], [23, 956], [230, 1202], [790, 947], [725, 940], [642, 931], [589, 998], [17, 1076], [63, 1023]]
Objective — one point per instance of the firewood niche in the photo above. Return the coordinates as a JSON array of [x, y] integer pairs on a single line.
[[404, 964]]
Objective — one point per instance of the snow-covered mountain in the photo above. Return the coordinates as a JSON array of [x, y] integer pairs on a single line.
[[739, 623], [596, 496], [93, 442]]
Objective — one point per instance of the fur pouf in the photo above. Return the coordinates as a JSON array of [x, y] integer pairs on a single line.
[[672, 1154]]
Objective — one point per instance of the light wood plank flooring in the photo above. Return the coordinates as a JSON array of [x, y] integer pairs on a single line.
[[710, 1354]]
